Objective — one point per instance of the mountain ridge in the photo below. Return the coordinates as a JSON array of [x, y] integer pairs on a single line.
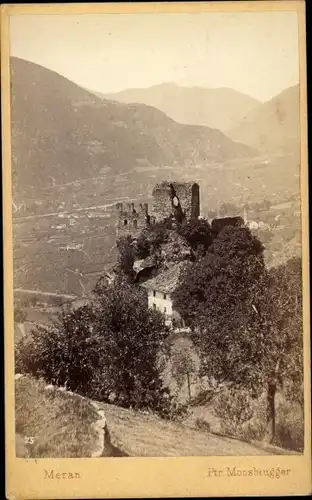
[[273, 125], [70, 133], [218, 108]]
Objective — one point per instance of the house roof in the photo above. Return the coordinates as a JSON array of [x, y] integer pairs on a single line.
[[167, 280]]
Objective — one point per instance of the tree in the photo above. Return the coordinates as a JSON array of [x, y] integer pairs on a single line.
[[133, 336], [183, 367], [217, 283], [158, 234], [110, 347], [278, 329], [150, 239], [246, 321], [197, 233], [64, 353], [126, 256], [142, 246]]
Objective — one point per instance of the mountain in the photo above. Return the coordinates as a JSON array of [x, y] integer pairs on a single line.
[[273, 125], [220, 108], [65, 133]]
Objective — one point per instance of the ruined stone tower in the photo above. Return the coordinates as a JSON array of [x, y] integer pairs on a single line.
[[131, 219], [171, 196], [170, 199]]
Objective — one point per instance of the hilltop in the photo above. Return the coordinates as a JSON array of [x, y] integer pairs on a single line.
[[62, 133], [272, 126], [220, 108]]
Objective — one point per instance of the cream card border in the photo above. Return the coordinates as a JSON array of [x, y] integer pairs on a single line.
[[147, 477]]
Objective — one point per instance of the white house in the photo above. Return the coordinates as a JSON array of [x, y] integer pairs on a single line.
[[160, 289]]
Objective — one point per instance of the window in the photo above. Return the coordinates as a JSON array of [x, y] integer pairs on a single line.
[[125, 222], [135, 223], [154, 293], [165, 296], [165, 309], [154, 306]]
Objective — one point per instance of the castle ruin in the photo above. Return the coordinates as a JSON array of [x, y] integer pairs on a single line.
[[176, 200], [131, 219]]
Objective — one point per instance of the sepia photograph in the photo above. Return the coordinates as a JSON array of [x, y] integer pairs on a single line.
[[157, 225], [157, 235]]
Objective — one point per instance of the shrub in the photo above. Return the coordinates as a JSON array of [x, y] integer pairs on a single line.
[[241, 415], [142, 246], [245, 418], [290, 426], [255, 429], [203, 425], [234, 408], [174, 410], [197, 233]]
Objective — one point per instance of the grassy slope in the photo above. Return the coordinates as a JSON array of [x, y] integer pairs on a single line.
[[62, 427], [60, 424], [145, 435]]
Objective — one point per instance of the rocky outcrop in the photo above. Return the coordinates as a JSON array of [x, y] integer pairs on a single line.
[[99, 426], [144, 268], [176, 249]]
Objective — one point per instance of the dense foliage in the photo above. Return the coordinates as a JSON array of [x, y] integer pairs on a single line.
[[246, 320], [107, 350], [197, 233], [218, 282]]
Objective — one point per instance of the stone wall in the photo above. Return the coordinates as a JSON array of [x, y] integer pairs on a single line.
[[162, 201], [168, 196], [176, 199], [131, 219]]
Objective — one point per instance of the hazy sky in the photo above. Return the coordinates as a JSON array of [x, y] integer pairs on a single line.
[[255, 53]]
